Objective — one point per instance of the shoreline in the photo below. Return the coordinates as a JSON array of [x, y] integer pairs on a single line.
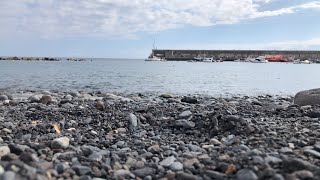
[[72, 135], [15, 58]]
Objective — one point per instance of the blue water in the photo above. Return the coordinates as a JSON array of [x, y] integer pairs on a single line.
[[131, 76]]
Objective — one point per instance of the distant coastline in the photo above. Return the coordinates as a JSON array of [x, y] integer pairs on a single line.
[[15, 58]]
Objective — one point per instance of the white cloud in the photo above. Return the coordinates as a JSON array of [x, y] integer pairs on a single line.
[[108, 18]]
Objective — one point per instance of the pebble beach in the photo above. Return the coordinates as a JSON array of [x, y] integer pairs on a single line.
[[98, 135]]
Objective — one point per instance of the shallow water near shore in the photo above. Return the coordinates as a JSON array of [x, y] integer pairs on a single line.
[[138, 76]]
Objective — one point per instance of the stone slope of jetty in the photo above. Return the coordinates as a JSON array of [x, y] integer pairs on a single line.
[[78, 135]]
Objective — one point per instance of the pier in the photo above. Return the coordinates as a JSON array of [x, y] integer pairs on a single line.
[[230, 55]]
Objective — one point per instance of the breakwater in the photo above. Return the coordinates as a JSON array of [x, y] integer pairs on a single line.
[[182, 55]]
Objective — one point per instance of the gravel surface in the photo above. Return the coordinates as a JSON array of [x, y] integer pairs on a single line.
[[81, 135]]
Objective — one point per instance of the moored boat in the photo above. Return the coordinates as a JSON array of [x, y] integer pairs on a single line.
[[301, 62], [260, 59], [296, 61], [276, 58], [207, 59], [203, 59], [155, 58], [197, 58], [306, 62]]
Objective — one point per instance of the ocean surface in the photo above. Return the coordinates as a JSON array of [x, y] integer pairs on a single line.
[[138, 76]]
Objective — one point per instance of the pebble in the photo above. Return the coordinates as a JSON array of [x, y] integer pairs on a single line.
[[191, 100], [17, 148], [1, 170], [166, 96], [154, 148], [8, 175], [94, 132], [186, 176], [46, 99], [34, 99], [133, 121], [278, 177], [303, 174], [185, 123], [215, 142], [291, 145], [285, 150], [215, 174], [257, 160], [4, 150], [195, 148], [62, 142], [296, 164], [3, 97], [82, 170], [313, 153], [100, 105], [246, 174], [122, 173], [61, 167], [176, 166], [185, 114], [95, 157], [68, 97], [144, 172], [273, 160], [6, 130], [190, 162], [139, 164], [87, 120], [167, 161]]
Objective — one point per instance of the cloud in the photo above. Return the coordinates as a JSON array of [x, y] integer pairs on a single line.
[[126, 18]]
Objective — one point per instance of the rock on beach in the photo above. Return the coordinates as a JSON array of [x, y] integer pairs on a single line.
[[307, 97], [62, 142], [3, 97], [46, 99]]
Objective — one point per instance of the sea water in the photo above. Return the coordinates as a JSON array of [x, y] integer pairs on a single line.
[[139, 76]]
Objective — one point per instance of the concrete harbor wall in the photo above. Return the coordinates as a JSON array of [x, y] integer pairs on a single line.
[[182, 55]]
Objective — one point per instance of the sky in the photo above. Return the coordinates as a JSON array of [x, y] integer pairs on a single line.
[[129, 28]]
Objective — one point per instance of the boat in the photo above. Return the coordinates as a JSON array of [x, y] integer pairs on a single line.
[[260, 59], [301, 62], [305, 62], [317, 61], [203, 59], [218, 60], [207, 59], [276, 58], [197, 58], [296, 61], [152, 57], [155, 58]]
